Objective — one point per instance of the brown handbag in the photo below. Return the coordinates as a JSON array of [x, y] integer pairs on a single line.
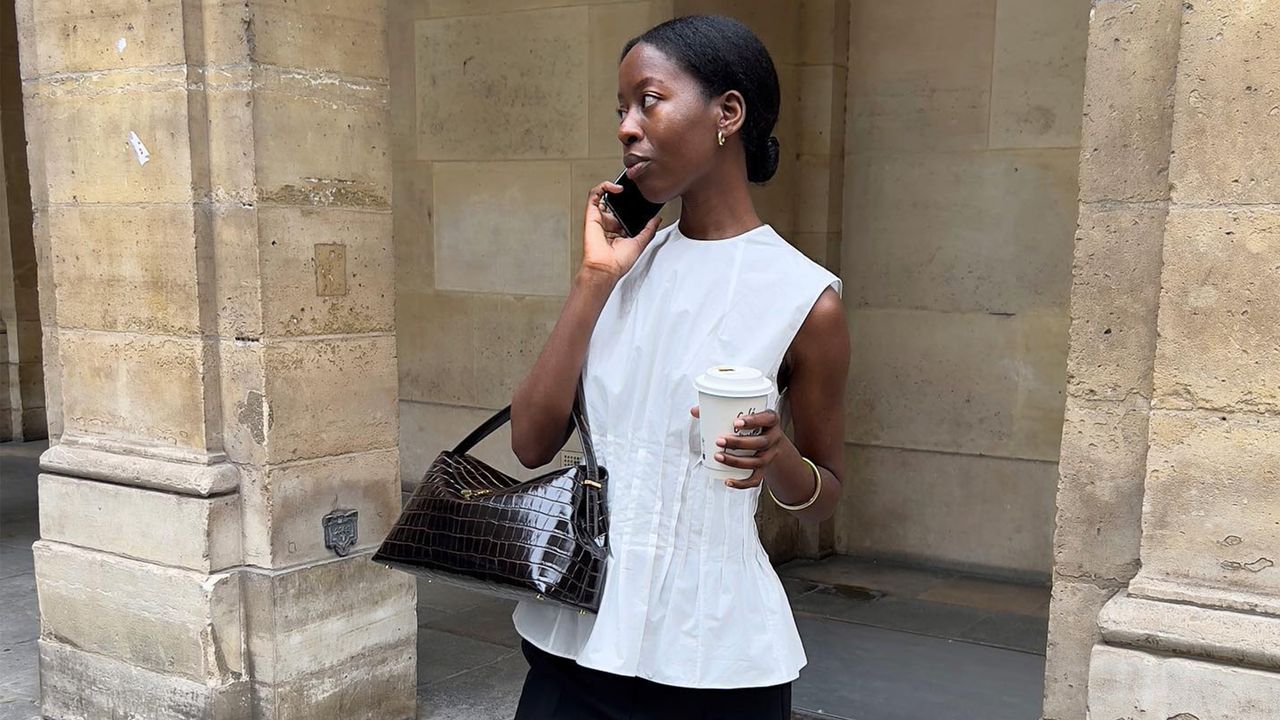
[[470, 525]]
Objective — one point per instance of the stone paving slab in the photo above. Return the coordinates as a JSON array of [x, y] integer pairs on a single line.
[[868, 673]]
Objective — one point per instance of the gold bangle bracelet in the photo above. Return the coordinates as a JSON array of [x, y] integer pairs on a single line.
[[817, 489]]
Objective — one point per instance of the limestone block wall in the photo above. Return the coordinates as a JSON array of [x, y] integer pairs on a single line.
[[23, 414], [503, 118], [961, 155]]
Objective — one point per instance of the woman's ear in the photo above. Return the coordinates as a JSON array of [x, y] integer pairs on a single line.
[[733, 112]]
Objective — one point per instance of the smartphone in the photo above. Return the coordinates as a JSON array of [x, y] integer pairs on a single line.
[[631, 209]]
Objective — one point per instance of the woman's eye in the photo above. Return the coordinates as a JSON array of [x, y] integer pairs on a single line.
[[649, 100]]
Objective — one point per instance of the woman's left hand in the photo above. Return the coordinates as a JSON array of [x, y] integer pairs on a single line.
[[765, 445]]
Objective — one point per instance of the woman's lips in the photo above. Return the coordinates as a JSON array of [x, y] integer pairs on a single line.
[[635, 170]]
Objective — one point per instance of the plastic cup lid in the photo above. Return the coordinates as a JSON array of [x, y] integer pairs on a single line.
[[733, 381]]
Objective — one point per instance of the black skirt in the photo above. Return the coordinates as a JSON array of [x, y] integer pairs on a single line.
[[560, 689]]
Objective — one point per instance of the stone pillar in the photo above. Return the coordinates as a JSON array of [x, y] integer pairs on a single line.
[[212, 182], [1124, 193], [1197, 633]]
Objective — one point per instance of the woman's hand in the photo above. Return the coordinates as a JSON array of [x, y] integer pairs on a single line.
[[605, 249], [765, 445]]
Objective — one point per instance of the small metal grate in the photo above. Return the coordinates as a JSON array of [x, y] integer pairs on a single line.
[[570, 458]]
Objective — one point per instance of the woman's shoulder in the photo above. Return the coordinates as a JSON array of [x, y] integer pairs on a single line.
[[786, 258]]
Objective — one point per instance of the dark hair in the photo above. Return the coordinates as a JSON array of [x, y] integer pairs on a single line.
[[723, 55]]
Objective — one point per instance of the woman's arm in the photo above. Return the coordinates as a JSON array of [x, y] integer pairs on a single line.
[[542, 404], [819, 365]]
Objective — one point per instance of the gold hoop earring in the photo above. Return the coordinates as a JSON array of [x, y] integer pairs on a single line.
[[720, 137]]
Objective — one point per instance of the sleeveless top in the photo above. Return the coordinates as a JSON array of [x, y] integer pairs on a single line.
[[690, 598]]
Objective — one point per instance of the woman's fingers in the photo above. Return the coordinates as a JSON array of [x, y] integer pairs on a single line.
[[753, 481], [745, 462], [763, 420], [745, 442]]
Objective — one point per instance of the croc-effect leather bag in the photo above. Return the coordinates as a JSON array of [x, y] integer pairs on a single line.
[[468, 524]]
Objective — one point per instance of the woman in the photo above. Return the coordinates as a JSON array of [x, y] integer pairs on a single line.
[[693, 622]]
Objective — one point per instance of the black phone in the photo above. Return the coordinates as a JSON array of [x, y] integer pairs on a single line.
[[630, 207]]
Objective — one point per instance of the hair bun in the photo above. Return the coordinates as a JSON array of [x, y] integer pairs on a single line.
[[762, 162]]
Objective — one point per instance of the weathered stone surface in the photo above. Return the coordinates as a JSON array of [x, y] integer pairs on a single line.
[[1209, 518], [470, 349], [326, 616], [776, 23], [378, 685], [436, 342], [65, 36], [291, 299], [1128, 100], [329, 396], [501, 227], [235, 289], [347, 38], [1227, 128], [510, 332], [296, 111], [919, 75], [223, 164], [820, 96], [819, 185], [536, 108], [284, 506], [952, 382], [961, 510], [167, 620], [82, 153], [75, 685], [160, 527], [824, 32], [961, 231], [127, 268], [1038, 73], [133, 386], [1192, 631], [1115, 295], [1131, 684], [1073, 631], [1217, 346], [446, 8], [1103, 466], [413, 229]]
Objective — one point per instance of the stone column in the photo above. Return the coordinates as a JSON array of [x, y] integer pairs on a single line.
[[212, 182], [1197, 634], [1124, 194]]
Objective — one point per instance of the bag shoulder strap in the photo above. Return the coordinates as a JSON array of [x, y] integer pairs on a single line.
[[578, 416]]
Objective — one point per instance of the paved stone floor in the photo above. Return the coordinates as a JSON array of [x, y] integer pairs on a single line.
[[884, 643]]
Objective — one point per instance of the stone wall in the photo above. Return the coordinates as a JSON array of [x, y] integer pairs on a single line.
[[503, 119], [961, 158]]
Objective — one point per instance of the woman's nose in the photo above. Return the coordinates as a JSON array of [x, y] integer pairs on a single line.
[[628, 132]]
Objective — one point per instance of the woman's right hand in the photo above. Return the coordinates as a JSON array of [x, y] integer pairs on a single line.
[[605, 248]]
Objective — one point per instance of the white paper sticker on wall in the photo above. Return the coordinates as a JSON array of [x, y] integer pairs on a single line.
[[138, 148], [120, 45]]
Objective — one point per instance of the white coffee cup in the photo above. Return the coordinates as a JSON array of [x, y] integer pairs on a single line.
[[726, 393]]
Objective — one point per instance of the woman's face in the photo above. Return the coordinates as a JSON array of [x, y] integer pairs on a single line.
[[666, 125]]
